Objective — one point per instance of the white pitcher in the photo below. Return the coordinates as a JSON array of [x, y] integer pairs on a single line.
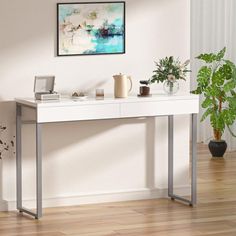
[[121, 87]]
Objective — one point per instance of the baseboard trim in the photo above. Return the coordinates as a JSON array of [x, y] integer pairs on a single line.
[[93, 198], [3, 205]]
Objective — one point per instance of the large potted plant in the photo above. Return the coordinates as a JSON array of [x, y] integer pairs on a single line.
[[216, 81]]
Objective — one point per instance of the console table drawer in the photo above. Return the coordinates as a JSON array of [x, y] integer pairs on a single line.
[[81, 112], [159, 108]]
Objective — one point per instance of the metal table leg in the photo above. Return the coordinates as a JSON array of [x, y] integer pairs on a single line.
[[170, 156], [39, 170], [171, 194], [20, 207], [194, 160], [18, 158]]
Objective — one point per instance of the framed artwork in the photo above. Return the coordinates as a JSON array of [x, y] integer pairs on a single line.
[[90, 28]]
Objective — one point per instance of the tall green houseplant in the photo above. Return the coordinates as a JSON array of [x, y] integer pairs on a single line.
[[216, 80]]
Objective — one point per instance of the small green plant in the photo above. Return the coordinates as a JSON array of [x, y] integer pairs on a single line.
[[216, 80], [4, 146], [169, 69], [144, 82]]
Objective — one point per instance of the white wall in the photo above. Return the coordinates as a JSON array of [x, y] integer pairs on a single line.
[[92, 161]]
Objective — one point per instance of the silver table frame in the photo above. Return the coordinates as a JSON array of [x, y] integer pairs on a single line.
[[38, 213]]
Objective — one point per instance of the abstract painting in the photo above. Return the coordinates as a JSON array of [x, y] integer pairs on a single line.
[[91, 28]]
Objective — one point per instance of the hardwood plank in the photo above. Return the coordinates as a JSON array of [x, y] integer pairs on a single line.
[[215, 213]]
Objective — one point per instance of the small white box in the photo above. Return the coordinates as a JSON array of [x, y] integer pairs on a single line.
[[44, 88], [47, 96]]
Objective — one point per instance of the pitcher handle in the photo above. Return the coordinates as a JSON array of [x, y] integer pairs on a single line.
[[131, 83]]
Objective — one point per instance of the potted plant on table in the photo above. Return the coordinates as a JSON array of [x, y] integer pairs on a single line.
[[144, 89], [216, 81], [169, 71]]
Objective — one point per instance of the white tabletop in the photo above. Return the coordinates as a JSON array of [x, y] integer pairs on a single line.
[[107, 100]]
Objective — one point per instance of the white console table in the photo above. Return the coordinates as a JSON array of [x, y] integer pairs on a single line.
[[133, 107]]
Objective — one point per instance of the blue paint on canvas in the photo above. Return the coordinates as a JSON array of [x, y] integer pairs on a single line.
[[65, 11], [91, 28], [111, 44]]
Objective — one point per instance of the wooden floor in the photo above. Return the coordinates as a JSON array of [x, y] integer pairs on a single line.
[[214, 215]]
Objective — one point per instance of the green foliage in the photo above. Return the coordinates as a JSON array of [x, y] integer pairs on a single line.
[[144, 82], [169, 69], [210, 57], [217, 82]]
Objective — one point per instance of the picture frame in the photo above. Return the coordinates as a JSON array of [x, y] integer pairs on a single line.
[[91, 28]]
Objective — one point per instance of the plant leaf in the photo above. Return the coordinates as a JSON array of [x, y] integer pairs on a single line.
[[206, 114], [208, 58], [207, 102], [229, 86], [203, 76], [222, 74], [221, 54]]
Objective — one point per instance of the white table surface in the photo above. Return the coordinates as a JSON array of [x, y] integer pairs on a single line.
[[107, 100]]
